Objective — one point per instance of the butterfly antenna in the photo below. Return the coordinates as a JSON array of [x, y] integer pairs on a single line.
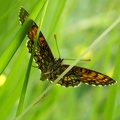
[[80, 59], [57, 45]]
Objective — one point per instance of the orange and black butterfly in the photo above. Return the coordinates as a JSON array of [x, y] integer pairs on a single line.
[[51, 67]]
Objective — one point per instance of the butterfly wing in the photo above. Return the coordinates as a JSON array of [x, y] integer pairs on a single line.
[[43, 54], [78, 74], [23, 15]]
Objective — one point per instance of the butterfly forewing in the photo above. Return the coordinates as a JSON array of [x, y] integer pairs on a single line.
[[43, 54], [92, 77], [23, 15]]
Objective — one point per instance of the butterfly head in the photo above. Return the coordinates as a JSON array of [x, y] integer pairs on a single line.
[[53, 66], [56, 64]]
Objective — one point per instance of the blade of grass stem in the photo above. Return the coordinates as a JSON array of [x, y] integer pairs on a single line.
[[23, 93], [14, 45], [75, 62], [55, 19], [110, 104]]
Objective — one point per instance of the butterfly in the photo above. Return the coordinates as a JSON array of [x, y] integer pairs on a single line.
[[51, 67]]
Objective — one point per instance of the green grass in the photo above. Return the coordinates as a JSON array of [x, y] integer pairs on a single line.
[[77, 24]]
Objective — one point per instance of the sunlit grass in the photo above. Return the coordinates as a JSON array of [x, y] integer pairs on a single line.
[[77, 24]]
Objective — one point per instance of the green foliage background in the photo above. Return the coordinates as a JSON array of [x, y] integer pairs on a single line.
[[77, 23]]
